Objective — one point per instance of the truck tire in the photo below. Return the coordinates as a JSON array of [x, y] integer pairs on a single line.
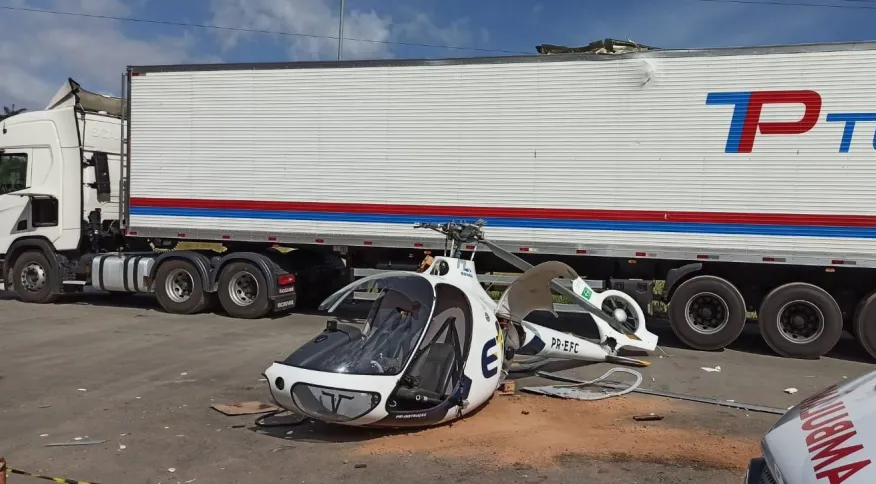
[[179, 287], [707, 313], [35, 279], [864, 324], [800, 320], [243, 291]]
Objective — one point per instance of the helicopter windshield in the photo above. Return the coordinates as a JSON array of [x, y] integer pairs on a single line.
[[395, 322]]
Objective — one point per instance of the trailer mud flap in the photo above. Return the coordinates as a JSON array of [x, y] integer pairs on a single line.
[[286, 301]]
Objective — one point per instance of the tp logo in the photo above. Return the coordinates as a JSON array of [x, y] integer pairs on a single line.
[[746, 115]]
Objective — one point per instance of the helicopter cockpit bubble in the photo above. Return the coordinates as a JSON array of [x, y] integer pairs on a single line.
[[384, 344]]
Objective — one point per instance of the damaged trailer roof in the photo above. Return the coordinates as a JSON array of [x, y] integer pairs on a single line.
[[604, 46]]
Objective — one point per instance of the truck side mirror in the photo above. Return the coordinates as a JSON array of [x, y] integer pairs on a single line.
[[102, 176]]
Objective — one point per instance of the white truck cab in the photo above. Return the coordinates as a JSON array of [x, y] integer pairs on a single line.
[[58, 165], [59, 174]]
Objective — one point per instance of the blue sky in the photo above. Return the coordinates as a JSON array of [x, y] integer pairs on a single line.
[[39, 51]]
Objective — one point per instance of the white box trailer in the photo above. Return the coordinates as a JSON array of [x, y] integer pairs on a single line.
[[741, 177]]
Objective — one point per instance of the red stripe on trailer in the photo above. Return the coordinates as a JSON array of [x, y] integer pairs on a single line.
[[226, 237], [368, 242], [641, 254], [418, 244], [581, 251], [272, 238], [520, 212], [181, 235]]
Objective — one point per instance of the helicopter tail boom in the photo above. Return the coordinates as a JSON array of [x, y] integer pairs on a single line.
[[549, 343]]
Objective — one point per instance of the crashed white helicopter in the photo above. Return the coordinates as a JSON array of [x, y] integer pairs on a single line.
[[435, 346]]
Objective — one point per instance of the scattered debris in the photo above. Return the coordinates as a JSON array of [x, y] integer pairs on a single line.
[[244, 408], [790, 391], [507, 388], [605, 46], [45, 406], [647, 418], [288, 420], [183, 373], [716, 369], [44, 435], [172, 382], [525, 412], [172, 469], [241, 426], [569, 391], [82, 390], [677, 396], [360, 466], [190, 481], [76, 442], [122, 446]]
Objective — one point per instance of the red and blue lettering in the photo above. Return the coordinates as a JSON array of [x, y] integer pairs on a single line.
[[746, 115], [850, 119], [748, 106]]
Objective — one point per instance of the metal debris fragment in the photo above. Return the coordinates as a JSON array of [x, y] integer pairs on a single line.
[[76, 442], [677, 396], [575, 391]]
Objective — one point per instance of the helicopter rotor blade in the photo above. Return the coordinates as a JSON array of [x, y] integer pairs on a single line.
[[580, 301]]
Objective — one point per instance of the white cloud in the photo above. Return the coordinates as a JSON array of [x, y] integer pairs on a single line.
[[320, 18], [38, 52]]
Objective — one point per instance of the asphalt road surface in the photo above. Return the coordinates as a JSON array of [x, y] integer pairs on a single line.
[[144, 381]]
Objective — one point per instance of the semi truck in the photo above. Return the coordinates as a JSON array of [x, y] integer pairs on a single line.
[[738, 181]]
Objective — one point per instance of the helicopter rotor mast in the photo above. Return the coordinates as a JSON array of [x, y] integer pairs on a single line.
[[457, 234]]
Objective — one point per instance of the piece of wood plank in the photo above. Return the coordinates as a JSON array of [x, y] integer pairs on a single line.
[[243, 408]]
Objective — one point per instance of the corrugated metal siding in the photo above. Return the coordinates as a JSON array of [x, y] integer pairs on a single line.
[[569, 135]]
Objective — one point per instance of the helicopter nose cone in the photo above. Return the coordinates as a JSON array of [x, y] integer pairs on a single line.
[[620, 315]]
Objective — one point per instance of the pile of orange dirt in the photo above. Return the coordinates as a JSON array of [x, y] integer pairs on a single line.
[[543, 431]]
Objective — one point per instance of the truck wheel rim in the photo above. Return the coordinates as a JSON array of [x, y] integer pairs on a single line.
[[179, 285], [243, 289], [707, 313], [33, 277], [800, 322]]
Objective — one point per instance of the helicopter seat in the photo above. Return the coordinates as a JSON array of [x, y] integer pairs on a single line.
[[433, 370]]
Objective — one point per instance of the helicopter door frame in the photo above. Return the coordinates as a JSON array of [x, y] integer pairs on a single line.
[[447, 331]]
